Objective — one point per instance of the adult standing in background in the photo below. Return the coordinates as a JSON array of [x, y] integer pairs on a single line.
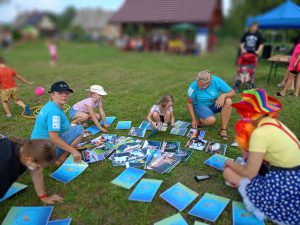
[[252, 41]]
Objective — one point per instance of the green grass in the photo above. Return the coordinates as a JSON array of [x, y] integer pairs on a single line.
[[134, 81]]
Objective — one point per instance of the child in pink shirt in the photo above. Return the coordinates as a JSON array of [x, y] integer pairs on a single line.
[[53, 52], [84, 109]]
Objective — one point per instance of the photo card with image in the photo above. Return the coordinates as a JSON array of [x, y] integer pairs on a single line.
[[216, 148]]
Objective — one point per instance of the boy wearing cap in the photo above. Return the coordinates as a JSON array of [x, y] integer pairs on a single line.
[[84, 109], [52, 123]]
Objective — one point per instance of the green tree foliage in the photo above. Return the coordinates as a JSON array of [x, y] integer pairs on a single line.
[[63, 21], [234, 24]]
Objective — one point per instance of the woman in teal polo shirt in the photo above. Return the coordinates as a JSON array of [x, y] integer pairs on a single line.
[[208, 95]]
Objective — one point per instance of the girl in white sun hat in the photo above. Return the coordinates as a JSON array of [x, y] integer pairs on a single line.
[[84, 109]]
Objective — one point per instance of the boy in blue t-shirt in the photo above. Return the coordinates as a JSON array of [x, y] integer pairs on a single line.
[[208, 95]]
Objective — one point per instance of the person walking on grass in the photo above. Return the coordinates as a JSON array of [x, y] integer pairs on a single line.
[[10, 89], [17, 156], [208, 95], [84, 110]]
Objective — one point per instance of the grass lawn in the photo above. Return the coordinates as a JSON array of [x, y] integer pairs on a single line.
[[134, 81]]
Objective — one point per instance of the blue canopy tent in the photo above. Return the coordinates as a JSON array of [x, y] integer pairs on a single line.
[[284, 16]]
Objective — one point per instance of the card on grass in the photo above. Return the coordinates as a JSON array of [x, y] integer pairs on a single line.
[[185, 154], [179, 196], [240, 215], [137, 132], [197, 144], [217, 161], [37, 215], [93, 129], [123, 125], [145, 190], [128, 177], [66, 221], [69, 170], [181, 124], [209, 207], [146, 125], [170, 146], [176, 219], [178, 131], [216, 148], [16, 187], [109, 120]]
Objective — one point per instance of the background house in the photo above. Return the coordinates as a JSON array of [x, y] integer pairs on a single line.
[[205, 15], [94, 22], [36, 20]]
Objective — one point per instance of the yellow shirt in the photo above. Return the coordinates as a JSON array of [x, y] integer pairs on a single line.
[[279, 148]]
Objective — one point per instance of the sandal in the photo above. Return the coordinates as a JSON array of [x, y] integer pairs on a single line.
[[292, 94], [278, 94], [224, 136]]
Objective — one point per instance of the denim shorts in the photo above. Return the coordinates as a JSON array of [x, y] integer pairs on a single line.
[[72, 113], [204, 111], [69, 136]]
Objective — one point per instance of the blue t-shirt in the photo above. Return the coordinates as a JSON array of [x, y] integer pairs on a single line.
[[50, 118], [207, 96]]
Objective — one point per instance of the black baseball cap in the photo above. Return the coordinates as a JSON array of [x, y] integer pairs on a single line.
[[60, 86]]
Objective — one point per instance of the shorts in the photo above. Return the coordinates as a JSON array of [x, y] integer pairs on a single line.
[[11, 93], [204, 111], [69, 136], [294, 72], [72, 113], [162, 118]]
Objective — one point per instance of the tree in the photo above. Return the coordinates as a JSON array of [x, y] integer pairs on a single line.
[[235, 23], [64, 20]]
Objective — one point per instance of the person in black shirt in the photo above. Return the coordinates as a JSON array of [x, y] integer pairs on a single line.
[[16, 156], [252, 41]]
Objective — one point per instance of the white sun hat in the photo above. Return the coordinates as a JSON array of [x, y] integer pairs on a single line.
[[97, 89]]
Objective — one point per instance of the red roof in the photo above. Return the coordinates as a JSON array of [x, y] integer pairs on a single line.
[[165, 11]]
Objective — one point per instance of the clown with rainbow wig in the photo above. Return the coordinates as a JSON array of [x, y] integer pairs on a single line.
[[269, 182]]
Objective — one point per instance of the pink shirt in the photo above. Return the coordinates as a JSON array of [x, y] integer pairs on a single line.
[[294, 57], [81, 106], [52, 49]]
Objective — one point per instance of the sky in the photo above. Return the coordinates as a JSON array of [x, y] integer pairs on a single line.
[[8, 11]]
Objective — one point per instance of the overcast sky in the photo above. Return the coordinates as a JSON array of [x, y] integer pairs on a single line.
[[9, 10]]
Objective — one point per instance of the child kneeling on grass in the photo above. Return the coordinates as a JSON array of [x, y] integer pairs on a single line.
[[17, 156], [162, 112], [84, 109]]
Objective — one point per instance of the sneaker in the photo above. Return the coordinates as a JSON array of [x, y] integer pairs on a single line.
[[27, 110], [8, 115]]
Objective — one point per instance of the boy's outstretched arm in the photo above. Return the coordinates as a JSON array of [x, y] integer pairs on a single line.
[[19, 77]]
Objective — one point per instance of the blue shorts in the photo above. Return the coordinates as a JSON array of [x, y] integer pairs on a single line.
[[69, 136], [72, 113], [204, 111]]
